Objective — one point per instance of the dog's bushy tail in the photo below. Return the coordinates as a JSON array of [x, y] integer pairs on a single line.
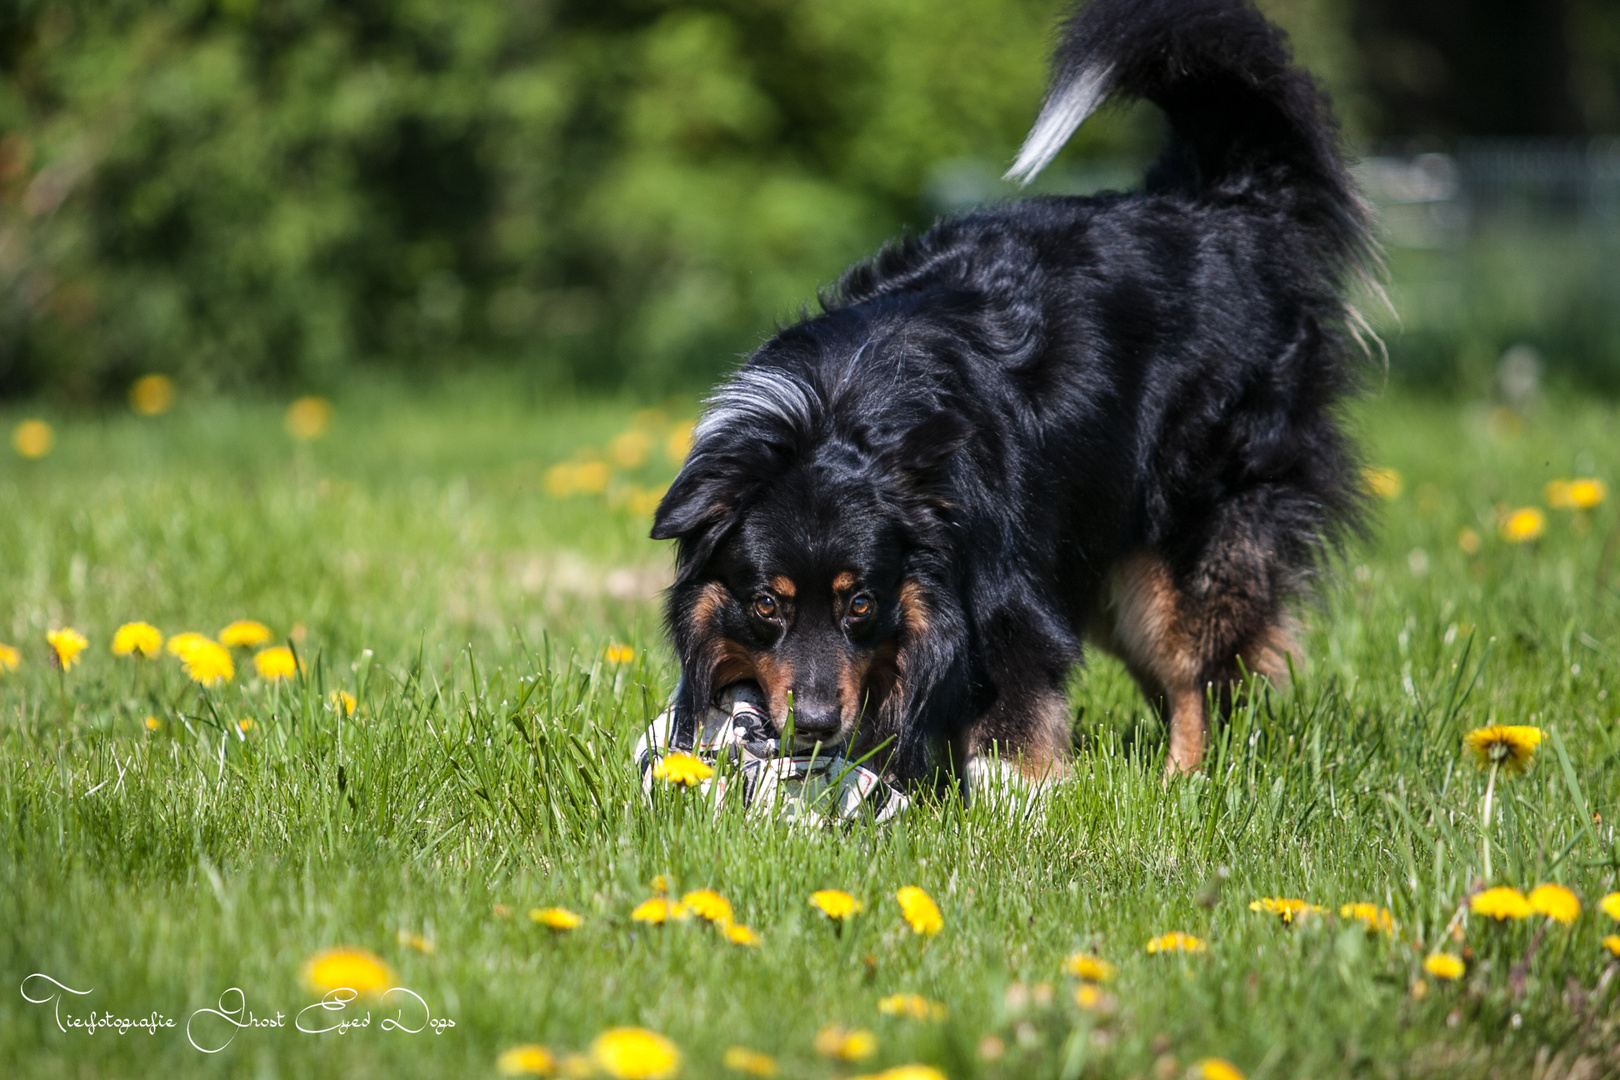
[[1242, 114]]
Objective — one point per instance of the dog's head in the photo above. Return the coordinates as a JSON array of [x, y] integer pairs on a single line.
[[805, 516]]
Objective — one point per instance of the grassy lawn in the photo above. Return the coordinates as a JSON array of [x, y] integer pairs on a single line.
[[418, 558]]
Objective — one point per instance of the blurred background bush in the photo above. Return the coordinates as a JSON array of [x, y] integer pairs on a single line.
[[629, 194]]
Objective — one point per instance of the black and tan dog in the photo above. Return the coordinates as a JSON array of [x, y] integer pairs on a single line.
[[1110, 417]]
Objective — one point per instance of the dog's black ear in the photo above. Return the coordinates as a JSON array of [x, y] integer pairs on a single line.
[[698, 500], [697, 512]]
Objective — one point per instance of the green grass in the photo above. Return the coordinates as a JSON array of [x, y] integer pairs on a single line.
[[430, 574]]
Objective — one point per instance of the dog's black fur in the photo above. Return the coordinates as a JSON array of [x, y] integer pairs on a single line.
[[1110, 416]]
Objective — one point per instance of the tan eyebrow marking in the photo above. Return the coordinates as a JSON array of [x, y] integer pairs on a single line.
[[783, 586], [844, 582]]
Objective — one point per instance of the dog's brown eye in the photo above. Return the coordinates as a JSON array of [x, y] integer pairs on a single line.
[[861, 606], [765, 607]]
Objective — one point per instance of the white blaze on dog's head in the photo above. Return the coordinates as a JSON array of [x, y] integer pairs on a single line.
[[755, 395]]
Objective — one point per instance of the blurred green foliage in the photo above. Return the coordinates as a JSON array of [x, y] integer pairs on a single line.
[[244, 191], [612, 193]]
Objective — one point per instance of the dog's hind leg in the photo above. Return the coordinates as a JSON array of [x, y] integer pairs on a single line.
[[1184, 636]]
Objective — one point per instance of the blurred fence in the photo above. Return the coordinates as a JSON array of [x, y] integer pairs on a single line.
[[1434, 199], [1504, 257]]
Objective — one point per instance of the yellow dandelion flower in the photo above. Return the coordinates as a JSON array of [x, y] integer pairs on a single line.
[[530, 1059], [556, 918], [10, 658], [1216, 1069], [1612, 943], [619, 653], [920, 911], [1610, 906], [743, 1060], [1088, 967], [659, 884], [912, 1007], [1523, 525], [1375, 917], [1288, 909], [182, 645], [66, 645], [1176, 941], [1088, 996], [152, 395], [276, 663], [244, 725], [629, 449], [845, 1044], [679, 443], [408, 940], [1587, 492], [1510, 745], [682, 768], [33, 439], [738, 934], [632, 1053], [1382, 482], [137, 638], [343, 702], [658, 910], [836, 904], [1556, 902], [1444, 966], [355, 969], [559, 480], [308, 418], [244, 632], [579, 478], [592, 477], [709, 904], [905, 1072], [207, 662], [153, 723], [643, 502], [1583, 493], [1501, 903]]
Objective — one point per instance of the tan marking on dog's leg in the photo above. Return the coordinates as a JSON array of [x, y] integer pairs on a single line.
[[1029, 733], [1180, 646], [1268, 653], [1046, 758], [1189, 723], [1150, 631]]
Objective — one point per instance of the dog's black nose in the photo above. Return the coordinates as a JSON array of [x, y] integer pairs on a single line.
[[814, 722]]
